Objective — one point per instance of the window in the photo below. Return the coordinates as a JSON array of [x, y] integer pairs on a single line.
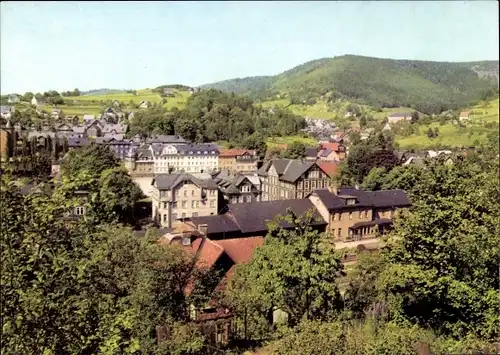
[[306, 184], [177, 192], [164, 218], [299, 195], [164, 204], [174, 216], [314, 174], [334, 216], [184, 204], [79, 211], [249, 198], [245, 188], [174, 204], [366, 214], [193, 204], [193, 192], [195, 214], [185, 193], [240, 199], [360, 215], [350, 215], [339, 235], [212, 203], [183, 215], [197, 204], [340, 216]]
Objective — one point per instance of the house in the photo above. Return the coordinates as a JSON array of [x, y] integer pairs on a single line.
[[311, 154], [436, 153], [178, 196], [87, 119], [168, 92], [34, 101], [330, 168], [251, 219], [332, 152], [238, 188], [465, 116], [144, 104], [113, 129], [398, 116], [72, 119], [139, 162], [57, 114], [238, 160], [190, 158], [354, 215], [166, 139], [214, 320], [117, 144], [291, 179], [117, 104], [13, 99], [6, 112], [194, 90]]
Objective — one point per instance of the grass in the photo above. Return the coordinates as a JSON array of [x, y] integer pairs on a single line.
[[142, 95], [273, 142], [452, 135]]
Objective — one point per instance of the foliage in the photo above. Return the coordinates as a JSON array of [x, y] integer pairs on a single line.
[[91, 288], [295, 271], [295, 151], [94, 158], [444, 254], [214, 116], [429, 87]]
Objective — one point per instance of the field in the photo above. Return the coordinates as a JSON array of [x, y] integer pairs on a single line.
[[452, 135], [273, 142], [93, 104]]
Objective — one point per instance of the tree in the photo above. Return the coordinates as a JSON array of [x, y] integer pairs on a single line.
[[362, 121], [436, 132], [374, 180], [295, 270], [94, 158], [414, 117], [91, 288], [296, 150], [430, 133], [444, 254]]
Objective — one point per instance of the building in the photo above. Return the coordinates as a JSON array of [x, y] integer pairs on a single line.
[[166, 139], [139, 162], [238, 160], [117, 144], [398, 116], [251, 219], [190, 158], [465, 116], [144, 104], [34, 101], [214, 320], [57, 114], [178, 196], [291, 179], [13, 99], [332, 152], [6, 112], [353, 215], [239, 188]]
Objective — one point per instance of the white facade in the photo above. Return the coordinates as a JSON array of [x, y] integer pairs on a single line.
[[185, 158]]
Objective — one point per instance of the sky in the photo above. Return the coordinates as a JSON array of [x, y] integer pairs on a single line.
[[125, 45]]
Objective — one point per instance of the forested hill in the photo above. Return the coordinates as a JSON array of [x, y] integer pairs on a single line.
[[426, 86]]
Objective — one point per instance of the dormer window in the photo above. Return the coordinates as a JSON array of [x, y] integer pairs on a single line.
[[351, 201]]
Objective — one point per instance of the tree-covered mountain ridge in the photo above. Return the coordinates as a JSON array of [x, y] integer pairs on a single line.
[[427, 86]]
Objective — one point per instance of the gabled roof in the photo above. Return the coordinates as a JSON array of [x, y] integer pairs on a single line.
[[254, 216], [329, 168], [227, 153], [167, 139], [332, 146], [382, 198], [240, 250], [311, 152], [223, 223], [169, 181], [288, 169]]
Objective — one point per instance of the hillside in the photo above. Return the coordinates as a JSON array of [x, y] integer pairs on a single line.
[[429, 87]]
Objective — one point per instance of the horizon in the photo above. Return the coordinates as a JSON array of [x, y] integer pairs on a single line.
[[188, 43]]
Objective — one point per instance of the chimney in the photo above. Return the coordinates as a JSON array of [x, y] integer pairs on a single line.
[[333, 189], [203, 229]]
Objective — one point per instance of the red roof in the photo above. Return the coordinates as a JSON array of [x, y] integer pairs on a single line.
[[209, 251], [330, 168], [240, 250], [464, 114], [227, 153], [332, 146]]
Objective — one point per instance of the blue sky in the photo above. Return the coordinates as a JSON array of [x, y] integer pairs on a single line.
[[50, 45]]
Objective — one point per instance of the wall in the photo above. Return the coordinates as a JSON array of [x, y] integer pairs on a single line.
[[144, 183]]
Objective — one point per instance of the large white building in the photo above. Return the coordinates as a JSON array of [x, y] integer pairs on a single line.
[[189, 158]]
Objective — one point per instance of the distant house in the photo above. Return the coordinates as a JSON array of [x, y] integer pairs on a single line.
[[57, 113], [144, 104], [194, 90], [398, 116], [465, 116], [13, 99], [34, 101], [116, 104], [6, 111], [73, 119], [87, 119], [168, 92]]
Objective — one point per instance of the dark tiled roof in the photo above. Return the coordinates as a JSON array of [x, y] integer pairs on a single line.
[[198, 149], [383, 198], [288, 169], [167, 139], [254, 216], [375, 222], [310, 152], [330, 200], [168, 181], [217, 224]]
